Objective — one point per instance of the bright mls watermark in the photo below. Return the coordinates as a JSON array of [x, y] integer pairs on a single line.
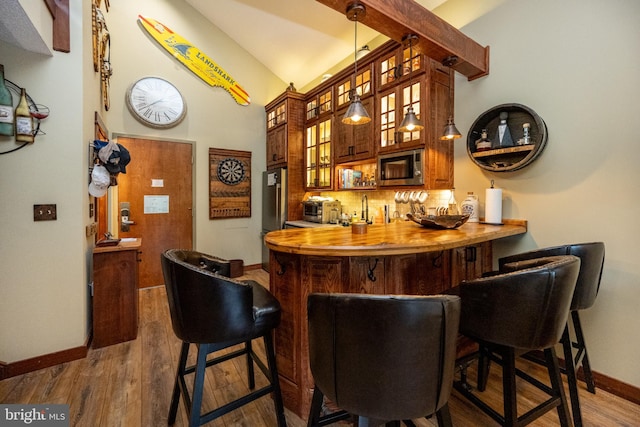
[[34, 415]]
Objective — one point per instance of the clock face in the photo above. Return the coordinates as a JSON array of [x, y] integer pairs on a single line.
[[155, 102]]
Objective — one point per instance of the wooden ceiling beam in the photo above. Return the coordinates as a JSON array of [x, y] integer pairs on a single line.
[[438, 39]]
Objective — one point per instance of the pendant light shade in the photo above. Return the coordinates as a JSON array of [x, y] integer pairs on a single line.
[[450, 131], [410, 123], [356, 113]]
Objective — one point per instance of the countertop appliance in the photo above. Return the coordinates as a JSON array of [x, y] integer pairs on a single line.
[[321, 211], [402, 168], [274, 206], [307, 224]]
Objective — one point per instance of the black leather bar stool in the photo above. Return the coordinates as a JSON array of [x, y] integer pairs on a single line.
[[591, 265], [513, 313], [214, 313], [382, 358]]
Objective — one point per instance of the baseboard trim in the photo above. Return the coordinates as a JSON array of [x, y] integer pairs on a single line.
[[8, 370], [253, 267], [603, 382], [614, 386]]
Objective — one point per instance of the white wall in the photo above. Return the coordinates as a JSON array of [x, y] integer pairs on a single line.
[[43, 269], [213, 118], [45, 266], [576, 63]]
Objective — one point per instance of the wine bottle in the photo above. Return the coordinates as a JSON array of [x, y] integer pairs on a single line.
[[24, 121], [6, 107], [483, 144], [453, 204]]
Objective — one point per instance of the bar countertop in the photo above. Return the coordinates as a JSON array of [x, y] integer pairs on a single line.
[[387, 239]]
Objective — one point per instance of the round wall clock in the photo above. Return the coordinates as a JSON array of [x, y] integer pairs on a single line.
[[231, 171], [155, 102]]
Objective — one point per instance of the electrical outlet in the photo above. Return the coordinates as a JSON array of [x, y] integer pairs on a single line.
[[45, 213]]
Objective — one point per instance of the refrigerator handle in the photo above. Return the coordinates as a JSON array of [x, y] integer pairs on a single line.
[[278, 213]]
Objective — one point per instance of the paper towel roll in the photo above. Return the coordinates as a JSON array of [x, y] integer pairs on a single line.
[[493, 206]]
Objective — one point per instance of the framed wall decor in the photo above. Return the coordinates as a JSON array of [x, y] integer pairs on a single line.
[[229, 183]]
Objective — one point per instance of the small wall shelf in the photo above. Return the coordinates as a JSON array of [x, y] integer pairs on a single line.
[[508, 158]]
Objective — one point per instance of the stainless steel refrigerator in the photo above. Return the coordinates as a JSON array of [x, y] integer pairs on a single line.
[[274, 206]]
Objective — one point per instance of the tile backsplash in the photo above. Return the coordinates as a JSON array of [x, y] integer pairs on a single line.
[[352, 201]]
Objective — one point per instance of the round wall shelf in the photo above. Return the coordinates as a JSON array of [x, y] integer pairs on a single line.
[[511, 158]]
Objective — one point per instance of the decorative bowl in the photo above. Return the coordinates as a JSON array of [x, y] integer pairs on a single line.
[[440, 222]]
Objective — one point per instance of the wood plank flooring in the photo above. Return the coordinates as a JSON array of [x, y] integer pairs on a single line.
[[130, 385]]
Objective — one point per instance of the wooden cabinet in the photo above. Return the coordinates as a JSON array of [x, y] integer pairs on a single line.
[[284, 129], [319, 103], [318, 162], [427, 87], [389, 81], [470, 262], [353, 143], [277, 154], [296, 276], [285, 134], [401, 84], [439, 155], [115, 293]]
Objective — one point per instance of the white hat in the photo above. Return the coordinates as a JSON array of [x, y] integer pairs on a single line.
[[100, 180]]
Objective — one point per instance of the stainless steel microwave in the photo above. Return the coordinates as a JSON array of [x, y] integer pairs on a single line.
[[401, 168]]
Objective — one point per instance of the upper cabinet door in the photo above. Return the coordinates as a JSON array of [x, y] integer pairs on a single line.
[[320, 104], [354, 142]]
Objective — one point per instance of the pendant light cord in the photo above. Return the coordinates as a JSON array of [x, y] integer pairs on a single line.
[[355, 51]]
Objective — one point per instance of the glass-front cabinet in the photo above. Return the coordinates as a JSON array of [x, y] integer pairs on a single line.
[[389, 81], [401, 84], [317, 141], [284, 129], [318, 163], [354, 142], [320, 104]]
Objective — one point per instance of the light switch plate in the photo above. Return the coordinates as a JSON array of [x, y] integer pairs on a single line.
[[45, 212]]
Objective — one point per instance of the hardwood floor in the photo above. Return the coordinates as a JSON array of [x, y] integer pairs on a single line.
[[130, 385]]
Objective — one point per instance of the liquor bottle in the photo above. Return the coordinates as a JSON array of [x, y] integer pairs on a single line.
[[483, 144], [453, 205], [526, 133], [503, 135], [24, 121], [6, 107]]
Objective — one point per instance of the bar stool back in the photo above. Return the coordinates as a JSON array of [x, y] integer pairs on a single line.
[[513, 313], [587, 286], [384, 358], [215, 313]]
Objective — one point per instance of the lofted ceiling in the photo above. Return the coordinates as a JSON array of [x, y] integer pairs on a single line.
[[298, 40]]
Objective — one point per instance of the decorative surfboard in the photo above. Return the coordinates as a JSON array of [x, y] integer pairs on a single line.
[[194, 59]]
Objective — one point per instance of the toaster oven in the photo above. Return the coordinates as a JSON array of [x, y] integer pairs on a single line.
[[321, 211]]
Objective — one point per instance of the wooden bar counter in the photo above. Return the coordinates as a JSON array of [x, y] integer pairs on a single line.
[[397, 258]]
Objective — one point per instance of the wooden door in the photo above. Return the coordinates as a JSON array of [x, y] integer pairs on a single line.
[[158, 188]]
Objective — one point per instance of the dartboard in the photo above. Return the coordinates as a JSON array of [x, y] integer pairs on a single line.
[[231, 171]]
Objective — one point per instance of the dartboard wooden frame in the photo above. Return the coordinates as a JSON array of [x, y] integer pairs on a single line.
[[229, 183]]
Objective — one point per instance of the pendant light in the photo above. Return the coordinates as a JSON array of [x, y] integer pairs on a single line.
[[410, 123], [451, 132], [356, 113]]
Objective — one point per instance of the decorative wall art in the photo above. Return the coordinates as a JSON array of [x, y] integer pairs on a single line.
[[194, 59], [101, 49], [229, 184]]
